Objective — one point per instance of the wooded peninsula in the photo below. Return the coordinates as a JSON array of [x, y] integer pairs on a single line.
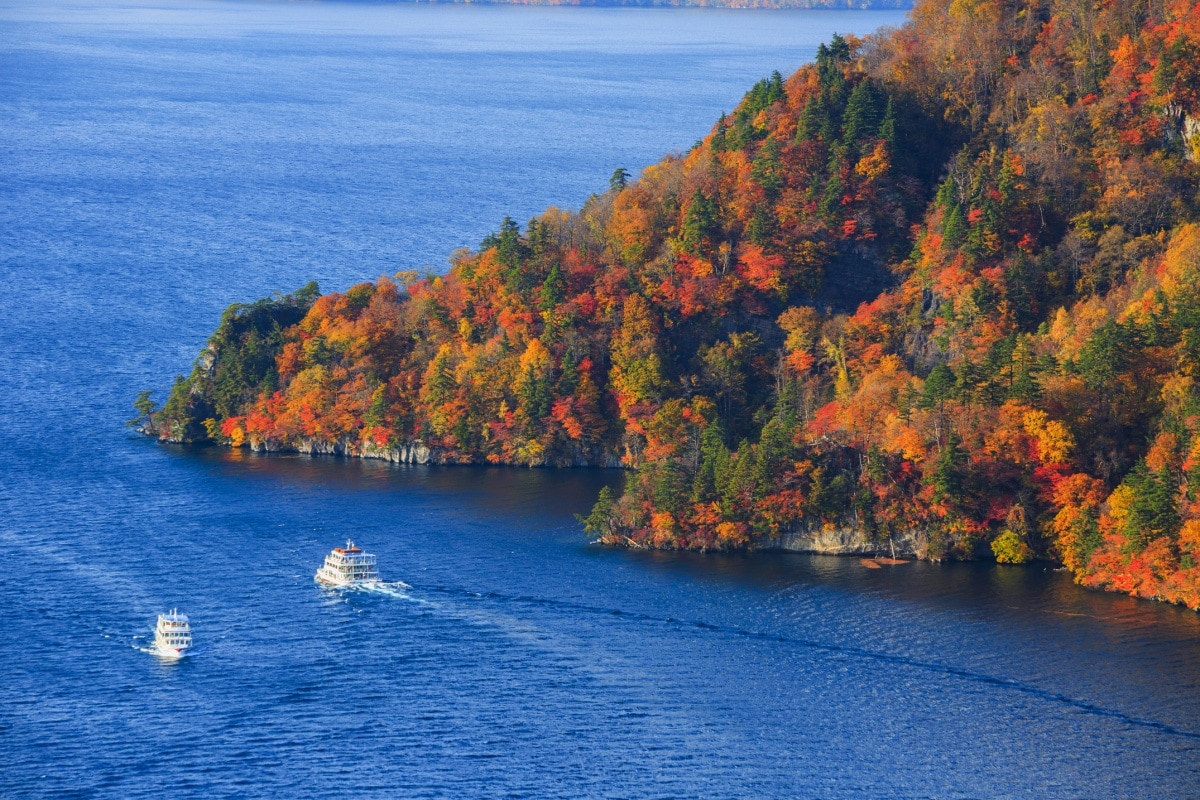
[[940, 288]]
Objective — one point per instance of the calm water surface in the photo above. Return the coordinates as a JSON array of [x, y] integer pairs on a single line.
[[162, 160]]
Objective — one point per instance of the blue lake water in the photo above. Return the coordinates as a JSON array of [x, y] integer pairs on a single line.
[[160, 160]]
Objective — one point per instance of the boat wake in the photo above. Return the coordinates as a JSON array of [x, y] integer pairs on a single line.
[[152, 650], [839, 650], [388, 588]]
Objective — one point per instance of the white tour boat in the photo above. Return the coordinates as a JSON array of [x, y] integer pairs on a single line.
[[348, 566], [172, 635]]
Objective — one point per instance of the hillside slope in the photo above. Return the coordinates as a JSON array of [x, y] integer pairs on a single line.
[[939, 288]]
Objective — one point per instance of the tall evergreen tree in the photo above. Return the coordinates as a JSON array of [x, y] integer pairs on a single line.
[[862, 117]]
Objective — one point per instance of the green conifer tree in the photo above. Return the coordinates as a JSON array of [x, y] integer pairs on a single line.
[[862, 116]]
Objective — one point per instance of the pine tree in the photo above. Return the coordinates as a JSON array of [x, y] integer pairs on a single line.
[[739, 487], [947, 479], [145, 408], [767, 168], [669, 489], [816, 120], [538, 237], [954, 228], [713, 472], [718, 139], [1025, 387], [553, 290], [619, 179], [831, 198], [771, 454], [699, 226], [600, 521], [1154, 511], [887, 128], [761, 230], [1106, 355], [862, 117], [439, 379]]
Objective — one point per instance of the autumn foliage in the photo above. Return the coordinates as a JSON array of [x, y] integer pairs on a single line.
[[944, 283]]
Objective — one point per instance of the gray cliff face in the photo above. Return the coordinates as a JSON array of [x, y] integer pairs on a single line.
[[1191, 137], [418, 453], [848, 540]]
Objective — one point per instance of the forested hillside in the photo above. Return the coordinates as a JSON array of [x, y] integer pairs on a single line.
[[941, 285]]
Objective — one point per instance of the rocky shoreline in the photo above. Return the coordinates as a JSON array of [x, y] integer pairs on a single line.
[[824, 540], [847, 541], [407, 453]]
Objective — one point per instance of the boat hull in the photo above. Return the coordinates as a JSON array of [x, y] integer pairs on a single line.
[[327, 580], [166, 651]]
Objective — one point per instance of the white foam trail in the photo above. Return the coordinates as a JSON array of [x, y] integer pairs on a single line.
[[605, 669], [517, 630], [389, 588], [154, 651], [398, 589]]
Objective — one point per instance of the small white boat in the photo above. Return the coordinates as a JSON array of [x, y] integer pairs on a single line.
[[348, 566], [172, 635]]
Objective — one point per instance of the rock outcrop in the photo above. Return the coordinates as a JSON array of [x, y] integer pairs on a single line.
[[848, 540], [418, 453]]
